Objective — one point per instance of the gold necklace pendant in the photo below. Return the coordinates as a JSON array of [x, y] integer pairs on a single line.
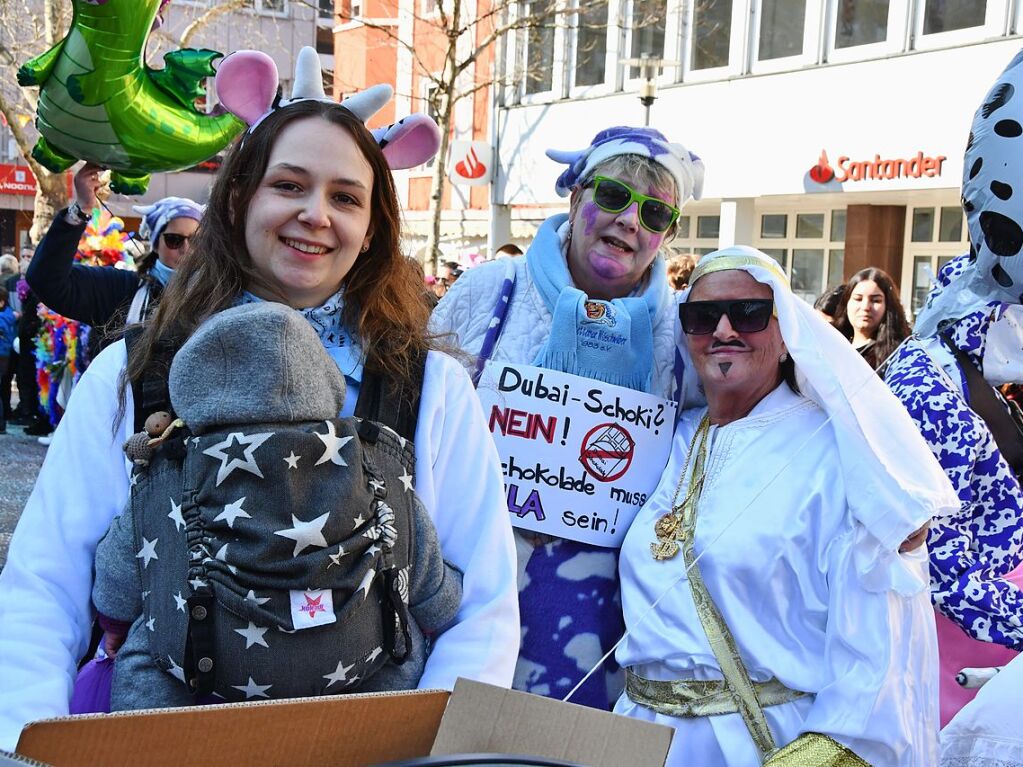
[[670, 529], [664, 549], [667, 526]]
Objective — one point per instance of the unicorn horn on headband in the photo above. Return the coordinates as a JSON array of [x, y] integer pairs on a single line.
[[247, 83]]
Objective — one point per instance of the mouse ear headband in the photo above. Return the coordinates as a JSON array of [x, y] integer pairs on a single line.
[[247, 83]]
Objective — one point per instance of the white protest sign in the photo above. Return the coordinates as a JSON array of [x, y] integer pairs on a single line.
[[579, 456]]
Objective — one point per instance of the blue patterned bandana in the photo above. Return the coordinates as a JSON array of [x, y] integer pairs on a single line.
[[685, 167]]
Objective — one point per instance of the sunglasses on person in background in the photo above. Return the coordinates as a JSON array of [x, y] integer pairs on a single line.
[[745, 315], [613, 196], [174, 241]]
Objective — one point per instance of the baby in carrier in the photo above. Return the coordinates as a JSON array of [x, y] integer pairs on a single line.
[[269, 548]]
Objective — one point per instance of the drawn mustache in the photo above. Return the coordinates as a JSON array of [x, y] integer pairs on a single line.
[[736, 343]]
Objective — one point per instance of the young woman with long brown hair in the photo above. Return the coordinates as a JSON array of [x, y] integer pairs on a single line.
[[303, 213], [871, 316]]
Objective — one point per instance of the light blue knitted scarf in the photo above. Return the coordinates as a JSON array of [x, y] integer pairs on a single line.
[[610, 341]]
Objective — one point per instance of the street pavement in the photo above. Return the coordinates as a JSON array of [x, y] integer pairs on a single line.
[[20, 459]]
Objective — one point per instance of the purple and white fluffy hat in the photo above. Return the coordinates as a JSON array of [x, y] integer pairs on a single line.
[[685, 167], [247, 87]]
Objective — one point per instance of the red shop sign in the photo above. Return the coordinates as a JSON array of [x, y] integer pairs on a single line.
[[16, 179]]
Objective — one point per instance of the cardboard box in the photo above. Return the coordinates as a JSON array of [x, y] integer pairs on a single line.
[[350, 731]]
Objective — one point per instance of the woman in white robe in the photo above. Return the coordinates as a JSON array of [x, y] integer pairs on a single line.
[[803, 498]]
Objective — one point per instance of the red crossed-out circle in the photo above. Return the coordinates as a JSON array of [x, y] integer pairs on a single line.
[[606, 452]]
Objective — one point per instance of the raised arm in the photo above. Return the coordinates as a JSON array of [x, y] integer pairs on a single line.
[[89, 294]]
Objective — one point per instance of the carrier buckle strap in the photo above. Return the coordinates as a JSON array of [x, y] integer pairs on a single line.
[[200, 655], [396, 618], [691, 698]]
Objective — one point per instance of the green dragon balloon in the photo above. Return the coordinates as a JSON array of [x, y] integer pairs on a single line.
[[99, 101]]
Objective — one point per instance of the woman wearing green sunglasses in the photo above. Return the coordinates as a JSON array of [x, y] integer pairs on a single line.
[[599, 264]]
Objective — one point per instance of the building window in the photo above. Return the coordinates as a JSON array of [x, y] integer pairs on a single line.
[[782, 27], [591, 44], [923, 225], [837, 226], [807, 276], [325, 9], [712, 31], [647, 30], [934, 236], [810, 226], [325, 41], [925, 269], [950, 228], [836, 267], [861, 22], [781, 255], [774, 225], [698, 237], [539, 55], [276, 7], [949, 15], [708, 227], [812, 252]]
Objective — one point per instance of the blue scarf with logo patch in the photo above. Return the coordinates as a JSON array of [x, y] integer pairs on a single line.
[[610, 341]]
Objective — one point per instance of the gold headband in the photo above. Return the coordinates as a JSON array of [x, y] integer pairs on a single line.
[[724, 263]]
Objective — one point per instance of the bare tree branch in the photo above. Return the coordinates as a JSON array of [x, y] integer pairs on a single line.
[[205, 19]]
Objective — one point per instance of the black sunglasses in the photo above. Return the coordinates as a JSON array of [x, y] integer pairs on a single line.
[[745, 315], [174, 241], [614, 196]]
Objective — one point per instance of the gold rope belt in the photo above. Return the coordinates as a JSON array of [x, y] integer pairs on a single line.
[[692, 698]]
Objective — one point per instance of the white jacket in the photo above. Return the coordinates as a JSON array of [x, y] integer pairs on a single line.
[[466, 310], [45, 588]]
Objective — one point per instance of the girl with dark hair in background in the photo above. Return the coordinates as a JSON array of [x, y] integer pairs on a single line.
[[871, 316]]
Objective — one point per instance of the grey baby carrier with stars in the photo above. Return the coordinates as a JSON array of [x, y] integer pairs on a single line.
[[273, 539]]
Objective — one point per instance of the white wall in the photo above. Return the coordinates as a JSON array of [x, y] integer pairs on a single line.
[[759, 135]]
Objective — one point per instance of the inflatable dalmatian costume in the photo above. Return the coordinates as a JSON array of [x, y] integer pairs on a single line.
[[975, 310]]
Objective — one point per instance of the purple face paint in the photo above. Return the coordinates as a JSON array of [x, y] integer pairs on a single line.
[[589, 212], [608, 268], [725, 367]]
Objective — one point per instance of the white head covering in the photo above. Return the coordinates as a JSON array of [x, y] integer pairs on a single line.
[[992, 169], [894, 482]]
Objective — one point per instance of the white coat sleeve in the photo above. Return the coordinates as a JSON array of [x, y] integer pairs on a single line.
[[45, 611], [459, 479], [880, 697]]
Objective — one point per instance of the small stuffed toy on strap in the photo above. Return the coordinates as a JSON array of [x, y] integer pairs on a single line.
[[247, 82]]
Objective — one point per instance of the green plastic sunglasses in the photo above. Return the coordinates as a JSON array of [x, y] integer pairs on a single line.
[[614, 196]]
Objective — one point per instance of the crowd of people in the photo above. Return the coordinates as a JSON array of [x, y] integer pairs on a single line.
[[281, 419]]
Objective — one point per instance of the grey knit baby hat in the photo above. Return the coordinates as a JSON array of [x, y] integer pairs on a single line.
[[256, 363]]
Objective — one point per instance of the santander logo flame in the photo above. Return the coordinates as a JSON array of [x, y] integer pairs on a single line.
[[822, 172], [470, 167]]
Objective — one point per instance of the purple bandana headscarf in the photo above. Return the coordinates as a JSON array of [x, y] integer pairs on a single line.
[[685, 167], [155, 217]]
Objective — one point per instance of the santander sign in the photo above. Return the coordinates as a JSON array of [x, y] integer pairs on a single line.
[[879, 168]]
